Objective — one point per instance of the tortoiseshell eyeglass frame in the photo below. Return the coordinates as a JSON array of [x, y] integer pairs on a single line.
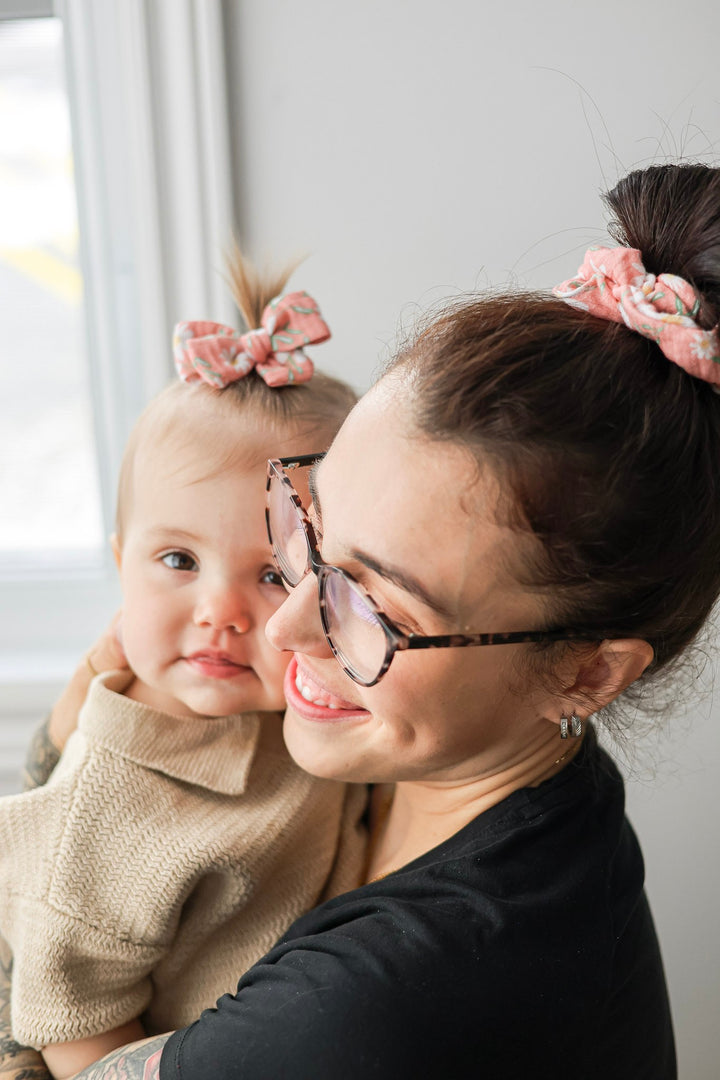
[[396, 639]]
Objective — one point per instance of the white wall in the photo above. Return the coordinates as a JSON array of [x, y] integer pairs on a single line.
[[415, 148]]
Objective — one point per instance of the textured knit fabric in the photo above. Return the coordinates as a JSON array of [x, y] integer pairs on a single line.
[[163, 857], [523, 947]]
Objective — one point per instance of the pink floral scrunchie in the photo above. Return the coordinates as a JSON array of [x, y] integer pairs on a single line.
[[614, 284], [220, 355]]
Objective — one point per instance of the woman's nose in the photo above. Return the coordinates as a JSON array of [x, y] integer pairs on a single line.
[[223, 606], [296, 625]]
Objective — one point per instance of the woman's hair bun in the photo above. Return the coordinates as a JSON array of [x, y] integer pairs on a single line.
[[671, 213]]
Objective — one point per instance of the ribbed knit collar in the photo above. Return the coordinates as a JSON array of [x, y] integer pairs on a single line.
[[214, 753]]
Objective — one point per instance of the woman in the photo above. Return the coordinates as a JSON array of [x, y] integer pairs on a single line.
[[540, 479]]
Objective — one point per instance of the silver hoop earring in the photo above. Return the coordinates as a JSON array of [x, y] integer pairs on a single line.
[[572, 727]]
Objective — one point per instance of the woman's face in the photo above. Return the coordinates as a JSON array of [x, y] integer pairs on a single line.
[[414, 522]]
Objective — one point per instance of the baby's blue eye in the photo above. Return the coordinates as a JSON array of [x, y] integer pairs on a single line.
[[179, 560]]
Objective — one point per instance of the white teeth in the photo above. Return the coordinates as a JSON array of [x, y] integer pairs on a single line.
[[307, 693]]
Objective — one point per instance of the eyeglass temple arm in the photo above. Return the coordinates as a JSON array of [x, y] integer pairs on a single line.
[[511, 638], [301, 460]]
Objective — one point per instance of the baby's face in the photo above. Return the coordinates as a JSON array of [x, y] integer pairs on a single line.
[[199, 585]]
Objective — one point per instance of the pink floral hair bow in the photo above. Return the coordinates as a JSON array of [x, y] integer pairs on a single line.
[[614, 284], [220, 355]]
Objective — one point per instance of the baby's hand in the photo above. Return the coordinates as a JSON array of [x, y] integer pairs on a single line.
[[107, 653]]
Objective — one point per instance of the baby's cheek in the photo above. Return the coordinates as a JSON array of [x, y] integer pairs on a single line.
[[137, 643], [275, 665]]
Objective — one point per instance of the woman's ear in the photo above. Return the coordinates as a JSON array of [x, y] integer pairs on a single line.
[[601, 677], [116, 549]]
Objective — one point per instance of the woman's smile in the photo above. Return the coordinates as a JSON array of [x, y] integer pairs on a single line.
[[308, 697]]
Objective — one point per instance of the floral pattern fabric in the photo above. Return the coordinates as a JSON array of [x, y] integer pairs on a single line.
[[220, 355], [614, 284]]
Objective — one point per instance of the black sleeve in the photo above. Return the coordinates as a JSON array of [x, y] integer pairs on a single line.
[[394, 989], [324, 1007]]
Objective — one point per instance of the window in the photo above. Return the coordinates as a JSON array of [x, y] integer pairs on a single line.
[[49, 484], [153, 188]]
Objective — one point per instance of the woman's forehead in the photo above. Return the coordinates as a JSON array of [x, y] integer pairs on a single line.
[[405, 500], [379, 454]]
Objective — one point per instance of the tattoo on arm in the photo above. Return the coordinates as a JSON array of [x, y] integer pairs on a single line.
[[139, 1061], [16, 1062], [42, 757]]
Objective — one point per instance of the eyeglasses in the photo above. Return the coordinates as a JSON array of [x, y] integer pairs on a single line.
[[363, 639]]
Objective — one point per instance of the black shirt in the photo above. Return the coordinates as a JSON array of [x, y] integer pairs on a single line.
[[521, 947]]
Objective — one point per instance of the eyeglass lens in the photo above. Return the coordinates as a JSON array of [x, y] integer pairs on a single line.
[[353, 628], [351, 625], [289, 539]]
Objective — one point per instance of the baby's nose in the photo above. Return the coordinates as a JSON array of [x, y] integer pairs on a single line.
[[224, 607]]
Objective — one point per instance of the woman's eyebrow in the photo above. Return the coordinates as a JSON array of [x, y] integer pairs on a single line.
[[405, 581], [401, 578]]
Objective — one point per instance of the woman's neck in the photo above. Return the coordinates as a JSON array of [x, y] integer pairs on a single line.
[[417, 815]]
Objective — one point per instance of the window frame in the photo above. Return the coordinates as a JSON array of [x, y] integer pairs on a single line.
[[155, 214]]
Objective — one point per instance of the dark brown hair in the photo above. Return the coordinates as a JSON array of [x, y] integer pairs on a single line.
[[609, 453]]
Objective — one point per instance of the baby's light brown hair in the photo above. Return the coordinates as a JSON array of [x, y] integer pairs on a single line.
[[185, 413]]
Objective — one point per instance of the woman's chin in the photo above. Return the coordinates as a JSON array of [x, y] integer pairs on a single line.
[[323, 750]]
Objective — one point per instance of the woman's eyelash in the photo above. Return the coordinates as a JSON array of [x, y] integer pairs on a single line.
[[317, 529], [403, 627]]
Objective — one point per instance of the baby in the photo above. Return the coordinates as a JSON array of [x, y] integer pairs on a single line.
[[176, 839]]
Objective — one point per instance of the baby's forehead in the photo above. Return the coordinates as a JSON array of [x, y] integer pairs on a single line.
[[190, 433], [182, 489], [182, 443], [204, 448], [196, 432]]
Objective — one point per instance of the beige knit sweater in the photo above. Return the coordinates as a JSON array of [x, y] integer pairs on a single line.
[[164, 856]]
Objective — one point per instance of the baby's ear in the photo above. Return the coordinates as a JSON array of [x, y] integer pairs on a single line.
[[116, 549]]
